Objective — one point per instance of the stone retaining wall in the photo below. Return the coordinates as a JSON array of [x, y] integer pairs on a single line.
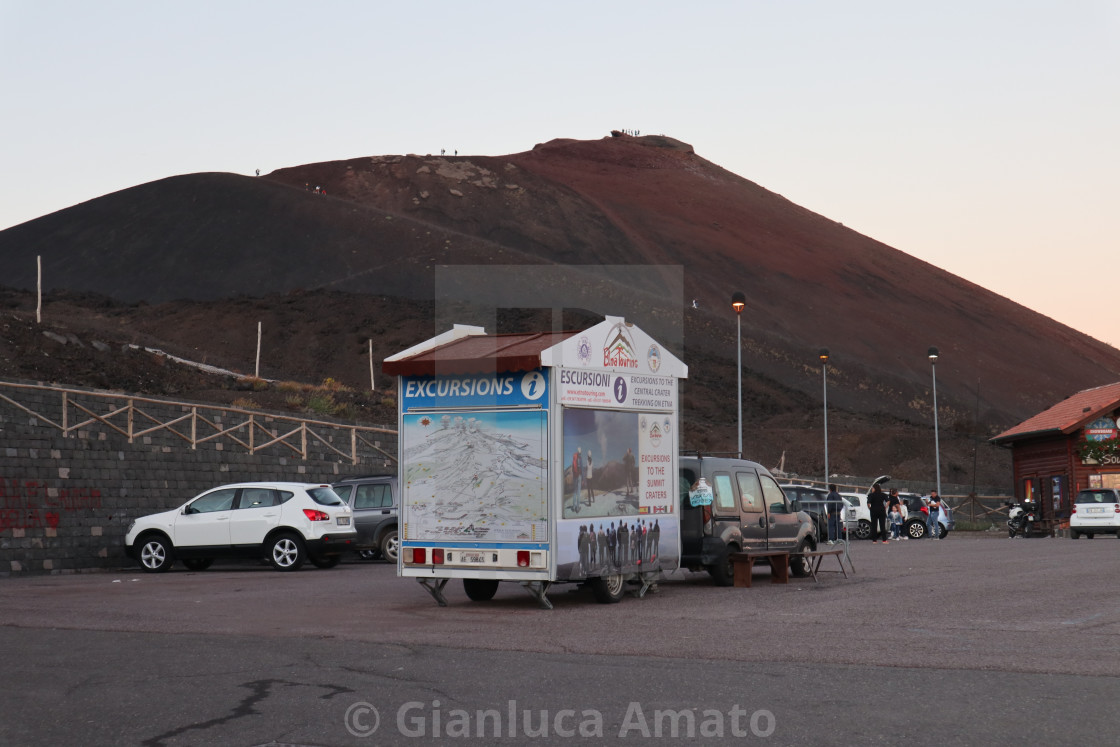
[[66, 500]]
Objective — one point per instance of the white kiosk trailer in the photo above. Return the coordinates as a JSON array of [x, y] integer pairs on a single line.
[[538, 458]]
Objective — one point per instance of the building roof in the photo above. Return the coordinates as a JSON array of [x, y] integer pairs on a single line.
[[476, 353], [1067, 416]]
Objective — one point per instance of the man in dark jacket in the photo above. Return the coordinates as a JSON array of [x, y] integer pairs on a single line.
[[877, 505]]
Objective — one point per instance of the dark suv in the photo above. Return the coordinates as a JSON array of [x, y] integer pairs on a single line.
[[748, 511], [374, 502]]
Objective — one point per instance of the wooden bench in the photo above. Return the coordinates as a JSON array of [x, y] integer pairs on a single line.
[[744, 562], [816, 557]]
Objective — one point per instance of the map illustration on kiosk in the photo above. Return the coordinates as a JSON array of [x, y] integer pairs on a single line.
[[475, 475]]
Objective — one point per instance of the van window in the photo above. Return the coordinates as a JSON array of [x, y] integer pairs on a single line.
[[750, 490], [724, 494], [775, 498]]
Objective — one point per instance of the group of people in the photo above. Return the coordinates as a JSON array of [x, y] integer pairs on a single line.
[[886, 510], [617, 545], [884, 507]]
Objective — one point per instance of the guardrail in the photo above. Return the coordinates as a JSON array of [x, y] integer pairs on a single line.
[[132, 417]]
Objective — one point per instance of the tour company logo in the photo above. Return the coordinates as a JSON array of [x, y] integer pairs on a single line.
[[434, 720], [619, 350], [653, 358]]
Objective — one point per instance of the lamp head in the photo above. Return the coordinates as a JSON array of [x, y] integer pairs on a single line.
[[933, 355], [738, 301], [824, 355]]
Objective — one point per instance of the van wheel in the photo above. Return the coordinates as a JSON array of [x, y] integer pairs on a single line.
[[1074, 534], [798, 563], [480, 589], [608, 589], [723, 572]]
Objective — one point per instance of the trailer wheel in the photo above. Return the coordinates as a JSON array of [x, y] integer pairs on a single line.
[[480, 589], [608, 589]]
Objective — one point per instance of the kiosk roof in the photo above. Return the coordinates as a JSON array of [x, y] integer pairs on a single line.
[[478, 354]]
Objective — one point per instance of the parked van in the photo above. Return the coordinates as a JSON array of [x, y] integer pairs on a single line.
[[748, 511]]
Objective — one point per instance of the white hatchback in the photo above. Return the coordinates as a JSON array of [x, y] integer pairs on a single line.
[[285, 522], [1095, 511]]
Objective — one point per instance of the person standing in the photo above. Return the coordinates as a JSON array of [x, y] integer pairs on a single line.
[[894, 509], [877, 505], [834, 506], [933, 526], [592, 547], [623, 544], [587, 480], [628, 467], [577, 479]]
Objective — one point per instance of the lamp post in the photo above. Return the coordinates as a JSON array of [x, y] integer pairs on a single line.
[[936, 440], [824, 385], [738, 301]]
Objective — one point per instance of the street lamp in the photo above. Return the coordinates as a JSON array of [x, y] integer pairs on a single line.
[[824, 384], [738, 301], [936, 440]]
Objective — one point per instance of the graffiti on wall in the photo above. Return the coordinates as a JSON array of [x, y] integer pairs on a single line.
[[32, 504]]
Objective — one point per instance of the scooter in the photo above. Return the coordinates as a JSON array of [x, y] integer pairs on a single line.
[[1020, 519]]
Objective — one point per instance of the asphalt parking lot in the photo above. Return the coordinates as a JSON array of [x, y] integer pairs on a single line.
[[1014, 639]]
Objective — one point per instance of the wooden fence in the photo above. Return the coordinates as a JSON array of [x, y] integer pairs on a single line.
[[134, 417]]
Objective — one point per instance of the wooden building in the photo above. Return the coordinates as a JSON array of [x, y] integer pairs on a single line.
[[1071, 446]]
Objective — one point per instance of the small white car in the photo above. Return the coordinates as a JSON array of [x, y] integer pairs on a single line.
[[285, 522], [1095, 511]]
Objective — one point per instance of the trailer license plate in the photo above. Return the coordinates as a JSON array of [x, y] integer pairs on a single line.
[[343, 521], [472, 557]]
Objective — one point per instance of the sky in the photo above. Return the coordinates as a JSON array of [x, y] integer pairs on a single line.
[[982, 136]]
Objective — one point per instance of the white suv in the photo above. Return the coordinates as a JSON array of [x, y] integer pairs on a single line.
[[286, 522], [1095, 511]]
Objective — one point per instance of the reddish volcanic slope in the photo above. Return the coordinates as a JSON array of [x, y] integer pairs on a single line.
[[601, 211]]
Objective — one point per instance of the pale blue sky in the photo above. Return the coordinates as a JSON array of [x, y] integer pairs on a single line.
[[978, 135]]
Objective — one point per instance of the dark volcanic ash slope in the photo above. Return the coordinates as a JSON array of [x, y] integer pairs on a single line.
[[387, 222]]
